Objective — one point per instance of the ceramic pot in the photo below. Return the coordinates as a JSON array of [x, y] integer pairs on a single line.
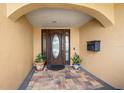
[[39, 66], [76, 66]]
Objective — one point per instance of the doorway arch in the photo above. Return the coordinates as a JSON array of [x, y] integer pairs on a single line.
[[22, 9]]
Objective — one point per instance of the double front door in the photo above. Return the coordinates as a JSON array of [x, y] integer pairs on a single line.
[[56, 46]]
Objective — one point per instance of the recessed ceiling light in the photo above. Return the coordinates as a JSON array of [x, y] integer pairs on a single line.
[[54, 21]]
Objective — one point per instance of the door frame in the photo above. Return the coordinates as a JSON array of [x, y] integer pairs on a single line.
[[64, 30]]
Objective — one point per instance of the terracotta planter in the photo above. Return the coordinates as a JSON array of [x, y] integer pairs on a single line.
[[39, 66]]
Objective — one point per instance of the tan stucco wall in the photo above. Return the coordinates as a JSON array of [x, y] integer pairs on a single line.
[[108, 64], [106, 9], [36, 41], [16, 50], [74, 40]]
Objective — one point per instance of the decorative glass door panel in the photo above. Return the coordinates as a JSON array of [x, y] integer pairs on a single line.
[[55, 46]]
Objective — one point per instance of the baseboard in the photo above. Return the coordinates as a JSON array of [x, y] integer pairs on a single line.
[[27, 80]]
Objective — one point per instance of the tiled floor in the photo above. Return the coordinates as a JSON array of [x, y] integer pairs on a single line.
[[67, 79]]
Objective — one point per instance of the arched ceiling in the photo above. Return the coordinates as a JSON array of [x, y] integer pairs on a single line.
[[104, 13], [57, 18]]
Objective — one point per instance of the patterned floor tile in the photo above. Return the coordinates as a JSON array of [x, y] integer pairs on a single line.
[[67, 78]]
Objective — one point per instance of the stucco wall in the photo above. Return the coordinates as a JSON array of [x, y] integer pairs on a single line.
[[36, 41], [16, 50], [108, 64], [105, 8], [74, 40]]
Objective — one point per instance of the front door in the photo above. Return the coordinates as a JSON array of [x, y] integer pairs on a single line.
[[56, 45]]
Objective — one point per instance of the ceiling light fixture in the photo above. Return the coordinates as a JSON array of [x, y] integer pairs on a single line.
[[54, 22]]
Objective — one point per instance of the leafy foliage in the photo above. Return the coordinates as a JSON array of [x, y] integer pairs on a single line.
[[40, 58], [76, 59]]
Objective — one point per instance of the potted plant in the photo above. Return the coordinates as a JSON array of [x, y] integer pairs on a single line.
[[76, 60], [39, 61]]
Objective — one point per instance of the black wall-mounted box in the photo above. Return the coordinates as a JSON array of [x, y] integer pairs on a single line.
[[93, 45]]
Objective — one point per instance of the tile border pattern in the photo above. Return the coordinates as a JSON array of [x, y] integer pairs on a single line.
[[29, 76]]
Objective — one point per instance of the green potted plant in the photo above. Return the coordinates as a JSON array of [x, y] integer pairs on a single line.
[[39, 61], [76, 60]]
